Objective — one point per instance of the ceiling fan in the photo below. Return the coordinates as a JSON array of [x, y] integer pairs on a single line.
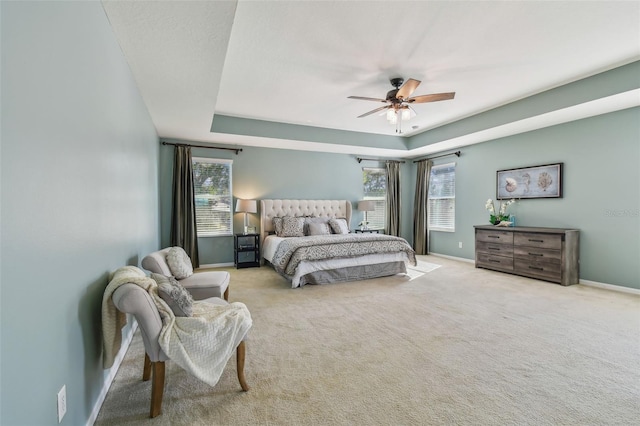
[[398, 101]]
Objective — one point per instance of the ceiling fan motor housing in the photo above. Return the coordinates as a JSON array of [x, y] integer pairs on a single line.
[[392, 94]]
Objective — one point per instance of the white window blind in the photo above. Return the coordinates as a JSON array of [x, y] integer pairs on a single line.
[[442, 198], [375, 188], [212, 182]]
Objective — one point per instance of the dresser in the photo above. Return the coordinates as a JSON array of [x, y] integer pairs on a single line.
[[550, 254]]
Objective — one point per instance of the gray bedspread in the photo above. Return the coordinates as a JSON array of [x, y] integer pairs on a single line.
[[292, 251]]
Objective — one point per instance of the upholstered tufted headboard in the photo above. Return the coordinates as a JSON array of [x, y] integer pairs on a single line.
[[279, 208]]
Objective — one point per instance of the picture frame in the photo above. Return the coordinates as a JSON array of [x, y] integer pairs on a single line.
[[543, 181]]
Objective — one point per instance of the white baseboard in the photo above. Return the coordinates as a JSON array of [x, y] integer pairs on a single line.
[[605, 286], [112, 373], [216, 265], [611, 287], [460, 259]]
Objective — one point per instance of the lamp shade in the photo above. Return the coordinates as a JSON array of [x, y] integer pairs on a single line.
[[366, 205], [247, 206]]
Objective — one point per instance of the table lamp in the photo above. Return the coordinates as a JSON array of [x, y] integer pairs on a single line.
[[246, 206], [366, 206]]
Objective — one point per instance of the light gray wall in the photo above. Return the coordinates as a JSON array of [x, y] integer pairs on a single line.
[[601, 187], [79, 199], [260, 173]]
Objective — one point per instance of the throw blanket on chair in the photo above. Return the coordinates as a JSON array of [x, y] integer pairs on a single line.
[[112, 319], [201, 344]]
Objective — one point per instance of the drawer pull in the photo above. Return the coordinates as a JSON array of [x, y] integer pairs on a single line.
[[494, 261], [536, 254], [494, 248], [493, 236], [536, 241], [537, 269]]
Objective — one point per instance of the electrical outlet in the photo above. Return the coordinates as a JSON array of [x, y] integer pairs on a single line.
[[62, 402], [459, 244]]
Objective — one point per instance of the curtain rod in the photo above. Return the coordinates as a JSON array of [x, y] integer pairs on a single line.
[[457, 154], [236, 150], [360, 160]]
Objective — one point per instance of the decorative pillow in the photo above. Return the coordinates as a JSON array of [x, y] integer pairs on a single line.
[[339, 225], [318, 228], [177, 297], [179, 263], [292, 226], [277, 225], [314, 219]]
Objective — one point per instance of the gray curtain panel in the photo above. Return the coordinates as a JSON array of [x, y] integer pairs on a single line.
[[420, 218], [393, 198], [183, 213]]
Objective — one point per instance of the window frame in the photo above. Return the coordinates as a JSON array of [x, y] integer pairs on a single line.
[[452, 218], [230, 232], [379, 199]]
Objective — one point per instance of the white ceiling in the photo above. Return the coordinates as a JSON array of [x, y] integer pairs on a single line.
[[298, 61]]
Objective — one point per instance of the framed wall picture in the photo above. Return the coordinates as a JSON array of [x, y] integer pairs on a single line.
[[530, 182]]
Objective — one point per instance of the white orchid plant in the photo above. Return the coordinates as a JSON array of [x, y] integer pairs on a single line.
[[501, 215]]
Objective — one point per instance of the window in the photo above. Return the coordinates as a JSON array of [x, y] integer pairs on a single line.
[[375, 188], [212, 182], [442, 198]]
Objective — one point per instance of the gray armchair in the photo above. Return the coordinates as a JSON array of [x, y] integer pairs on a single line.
[[201, 285], [132, 299]]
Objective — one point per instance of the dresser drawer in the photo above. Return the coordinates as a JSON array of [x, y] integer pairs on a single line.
[[501, 237], [549, 241], [493, 248], [494, 262], [542, 270], [534, 254]]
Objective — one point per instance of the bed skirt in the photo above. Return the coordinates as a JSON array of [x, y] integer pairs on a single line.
[[354, 273]]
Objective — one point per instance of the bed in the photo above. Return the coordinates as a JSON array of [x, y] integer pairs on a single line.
[[304, 253]]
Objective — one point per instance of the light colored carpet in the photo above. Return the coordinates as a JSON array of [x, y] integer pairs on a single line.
[[455, 345]]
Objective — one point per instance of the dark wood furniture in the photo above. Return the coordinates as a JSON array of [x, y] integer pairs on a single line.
[[550, 254], [246, 250], [370, 231]]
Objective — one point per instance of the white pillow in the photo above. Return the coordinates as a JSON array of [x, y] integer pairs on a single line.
[[339, 225], [179, 263]]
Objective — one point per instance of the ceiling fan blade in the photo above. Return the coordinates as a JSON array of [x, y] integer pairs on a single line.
[[362, 98], [431, 98], [407, 88], [374, 111]]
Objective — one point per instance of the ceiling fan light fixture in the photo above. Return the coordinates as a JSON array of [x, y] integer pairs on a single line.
[[394, 117], [391, 114], [406, 113]]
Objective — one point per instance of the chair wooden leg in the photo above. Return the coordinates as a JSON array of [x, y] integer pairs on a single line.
[[157, 388], [240, 354], [226, 294], [146, 371]]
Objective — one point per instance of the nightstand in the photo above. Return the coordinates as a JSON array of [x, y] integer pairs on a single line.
[[370, 231], [246, 250]]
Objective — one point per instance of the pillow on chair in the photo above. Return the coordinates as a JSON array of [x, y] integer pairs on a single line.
[[179, 263], [176, 296]]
